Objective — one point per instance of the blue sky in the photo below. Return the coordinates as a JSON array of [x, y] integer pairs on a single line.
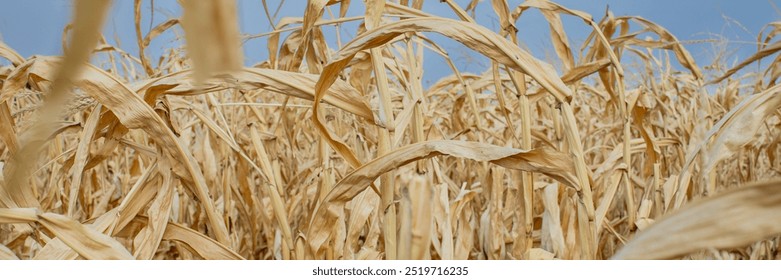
[[35, 26]]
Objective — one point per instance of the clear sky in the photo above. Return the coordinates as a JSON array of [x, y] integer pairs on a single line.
[[34, 27]]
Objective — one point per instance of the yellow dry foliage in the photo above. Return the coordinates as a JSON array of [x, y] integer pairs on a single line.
[[341, 152]]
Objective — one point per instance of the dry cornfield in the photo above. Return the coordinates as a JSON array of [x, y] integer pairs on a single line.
[[338, 151]]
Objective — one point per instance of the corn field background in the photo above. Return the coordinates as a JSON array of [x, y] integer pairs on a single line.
[[619, 148]]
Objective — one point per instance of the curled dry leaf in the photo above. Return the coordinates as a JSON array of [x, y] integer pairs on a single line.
[[547, 161], [471, 35], [10, 54], [684, 57]]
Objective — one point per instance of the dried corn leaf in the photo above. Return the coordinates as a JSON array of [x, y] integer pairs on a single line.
[[733, 131], [88, 19], [552, 238], [298, 85], [764, 52], [80, 159], [731, 219], [88, 242], [360, 210], [684, 57], [559, 39], [10, 54], [7, 254], [134, 113], [544, 160], [471, 35], [739, 125], [56, 249], [212, 32], [198, 243], [18, 215], [147, 241]]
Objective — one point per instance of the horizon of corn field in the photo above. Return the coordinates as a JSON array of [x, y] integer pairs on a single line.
[[340, 151]]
